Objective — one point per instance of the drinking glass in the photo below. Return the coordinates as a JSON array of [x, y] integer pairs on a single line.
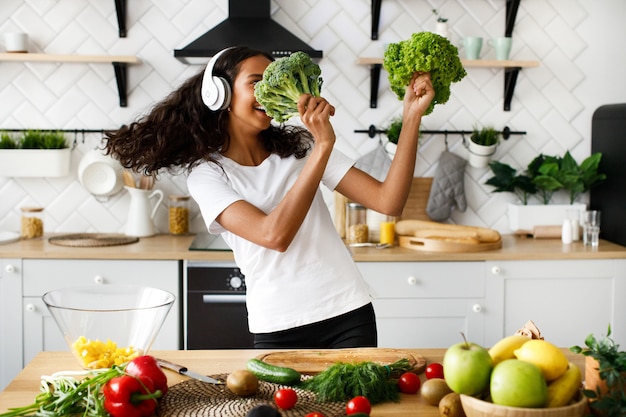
[[591, 228]]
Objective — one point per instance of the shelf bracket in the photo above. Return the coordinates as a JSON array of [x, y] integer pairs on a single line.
[[375, 18], [510, 79], [511, 14], [120, 69], [374, 83], [120, 10]]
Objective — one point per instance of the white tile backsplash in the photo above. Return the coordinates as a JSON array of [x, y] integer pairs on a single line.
[[553, 103]]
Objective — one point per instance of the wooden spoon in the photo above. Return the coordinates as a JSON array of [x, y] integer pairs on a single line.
[[129, 180], [146, 182]]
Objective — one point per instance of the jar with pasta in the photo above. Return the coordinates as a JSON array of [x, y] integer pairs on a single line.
[[31, 222], [357, 230], [179, 214]]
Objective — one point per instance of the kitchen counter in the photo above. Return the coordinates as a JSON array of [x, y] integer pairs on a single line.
[[176, 247], [22, 390]]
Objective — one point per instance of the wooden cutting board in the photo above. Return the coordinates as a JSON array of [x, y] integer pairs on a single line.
[[312, 362], [436, 245]]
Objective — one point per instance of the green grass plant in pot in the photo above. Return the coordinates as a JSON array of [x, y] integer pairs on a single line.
[[482, 145]]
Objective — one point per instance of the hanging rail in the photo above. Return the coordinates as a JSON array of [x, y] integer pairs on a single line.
[[506, 132]]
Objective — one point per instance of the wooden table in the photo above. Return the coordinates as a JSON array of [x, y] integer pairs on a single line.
[[22, 390]]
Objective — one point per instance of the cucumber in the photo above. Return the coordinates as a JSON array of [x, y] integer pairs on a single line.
[[272, 373]]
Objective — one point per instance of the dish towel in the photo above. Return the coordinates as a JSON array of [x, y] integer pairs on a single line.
[[448, 189]]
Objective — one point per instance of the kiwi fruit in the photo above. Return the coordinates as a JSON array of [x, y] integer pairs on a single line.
[[433, 390], [450, 406], [242, 382]]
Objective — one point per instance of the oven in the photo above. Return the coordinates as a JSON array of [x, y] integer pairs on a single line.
[[216, 313]]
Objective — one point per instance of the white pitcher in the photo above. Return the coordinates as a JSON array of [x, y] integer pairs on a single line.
[[140, 221]]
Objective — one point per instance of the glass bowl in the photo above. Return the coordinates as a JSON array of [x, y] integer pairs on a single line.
[[106, 325]]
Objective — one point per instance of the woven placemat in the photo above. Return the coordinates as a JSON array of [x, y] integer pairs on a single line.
[[92, 240], [201, 399]]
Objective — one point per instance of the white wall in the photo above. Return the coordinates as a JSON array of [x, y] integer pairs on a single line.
[[576, 41]]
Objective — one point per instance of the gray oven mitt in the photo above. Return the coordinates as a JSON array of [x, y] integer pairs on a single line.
[[448, 189], [376, 163]]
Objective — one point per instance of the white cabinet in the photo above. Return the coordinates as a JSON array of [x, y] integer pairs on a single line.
[[427, 304], [567, 300], [10, 319], [42, 275]]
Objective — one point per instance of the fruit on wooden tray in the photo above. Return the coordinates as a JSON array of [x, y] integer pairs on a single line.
[[526, 372], [467, 367], [562, 390], [549, 358], [505, 347], [517, 383]]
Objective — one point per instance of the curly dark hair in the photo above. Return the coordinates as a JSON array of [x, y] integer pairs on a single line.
[[180, 131]]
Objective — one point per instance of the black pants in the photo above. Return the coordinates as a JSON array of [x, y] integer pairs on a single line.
[[356, 328]]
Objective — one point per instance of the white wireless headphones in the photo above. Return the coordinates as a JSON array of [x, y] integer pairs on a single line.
[[216, 92]]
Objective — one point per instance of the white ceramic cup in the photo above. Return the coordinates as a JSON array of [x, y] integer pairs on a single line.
[[472, 45], [502, 46], [16, 42]]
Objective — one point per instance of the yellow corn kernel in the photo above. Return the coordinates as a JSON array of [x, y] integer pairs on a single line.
[[95, 354]]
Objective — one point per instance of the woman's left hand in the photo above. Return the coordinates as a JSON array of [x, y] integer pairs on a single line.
[[419, 94]]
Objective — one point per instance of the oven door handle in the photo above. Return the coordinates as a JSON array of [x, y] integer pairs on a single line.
[[223, 298]]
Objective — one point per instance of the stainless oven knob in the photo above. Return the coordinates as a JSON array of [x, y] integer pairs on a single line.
[[236, 282]]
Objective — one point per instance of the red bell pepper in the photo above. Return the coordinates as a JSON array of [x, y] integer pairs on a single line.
[[148, 366], [130, 396]]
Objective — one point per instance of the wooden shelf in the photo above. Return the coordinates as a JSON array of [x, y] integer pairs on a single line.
[[119, 62], [467, 63], [511, 71]]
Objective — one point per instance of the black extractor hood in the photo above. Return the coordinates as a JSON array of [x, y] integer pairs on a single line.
[[249, 24]]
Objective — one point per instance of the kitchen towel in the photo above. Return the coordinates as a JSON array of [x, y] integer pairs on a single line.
[[448, 189]]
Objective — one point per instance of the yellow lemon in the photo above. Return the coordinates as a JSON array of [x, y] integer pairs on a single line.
[[549, 358]]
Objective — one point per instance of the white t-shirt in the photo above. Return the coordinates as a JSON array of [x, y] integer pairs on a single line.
[[315, 278]]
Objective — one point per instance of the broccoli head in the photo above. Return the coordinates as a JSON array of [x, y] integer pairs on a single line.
[[284, 81], [424, 52]]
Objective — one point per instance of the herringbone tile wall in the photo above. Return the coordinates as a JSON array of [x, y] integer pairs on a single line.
[[574, 40]]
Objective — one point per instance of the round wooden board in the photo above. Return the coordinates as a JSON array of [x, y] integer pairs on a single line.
[[311, 362], [201, 399], [91, 240], [436, 245]]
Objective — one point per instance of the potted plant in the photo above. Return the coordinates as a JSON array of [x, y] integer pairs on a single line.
[[482, 145], [35, 153], [605, 375], [442, 24], [393, 134], [545, 176]]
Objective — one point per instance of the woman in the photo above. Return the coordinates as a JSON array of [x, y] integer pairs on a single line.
[[258, 185]]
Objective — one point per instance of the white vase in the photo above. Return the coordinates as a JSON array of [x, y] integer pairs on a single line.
[[479, 155], [526, 217], [35, 162], [442, 29]]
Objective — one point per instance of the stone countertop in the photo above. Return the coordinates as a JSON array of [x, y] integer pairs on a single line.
[[167, 247]]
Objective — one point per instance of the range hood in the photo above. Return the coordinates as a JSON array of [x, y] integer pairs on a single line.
[[248, 24]]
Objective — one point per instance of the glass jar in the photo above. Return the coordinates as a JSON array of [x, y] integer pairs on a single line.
[[357, 230], [32, 222], [179, 214]]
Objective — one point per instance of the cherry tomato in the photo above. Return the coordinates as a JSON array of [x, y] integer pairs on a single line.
[[434, 370], [358, 404], [409, 383], [314, 414], [285, 398]]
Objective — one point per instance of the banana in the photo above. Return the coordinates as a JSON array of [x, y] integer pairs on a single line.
[[563, 389], [504, 348]]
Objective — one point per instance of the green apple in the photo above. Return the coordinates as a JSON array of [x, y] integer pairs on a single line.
[[518, 384], [467, 367]]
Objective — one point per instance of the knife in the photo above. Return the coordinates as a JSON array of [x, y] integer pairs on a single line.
[[184, 371]]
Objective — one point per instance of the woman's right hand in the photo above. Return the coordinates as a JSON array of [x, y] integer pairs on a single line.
[[315, 113]]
